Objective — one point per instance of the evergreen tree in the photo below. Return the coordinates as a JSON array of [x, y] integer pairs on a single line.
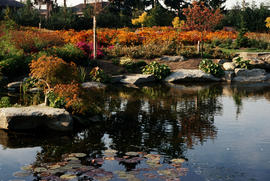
[[215, 4], [177, 5]]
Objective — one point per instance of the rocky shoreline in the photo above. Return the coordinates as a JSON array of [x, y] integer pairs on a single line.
[[32, 117]]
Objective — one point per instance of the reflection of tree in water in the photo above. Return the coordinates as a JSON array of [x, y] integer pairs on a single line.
[[163, 121], [240, 92], [88, 141]]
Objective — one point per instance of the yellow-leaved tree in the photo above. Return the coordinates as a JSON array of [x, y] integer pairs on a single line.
[[140, 20], [177, 23], [267, 21]]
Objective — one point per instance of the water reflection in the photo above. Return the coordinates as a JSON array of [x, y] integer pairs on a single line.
[[164, 119]]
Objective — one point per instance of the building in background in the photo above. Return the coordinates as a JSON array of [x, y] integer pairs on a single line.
[[11, 4]]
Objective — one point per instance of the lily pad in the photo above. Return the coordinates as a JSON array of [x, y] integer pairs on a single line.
[[21, 174], [131, 153], [150, 175], [109, 158], [110, 152], [178, 160], [152, 156], [71, 158], [68, 176], [101, 178], [52, 167], [45, 174], [78, 155], [27, 168], [40, 169]]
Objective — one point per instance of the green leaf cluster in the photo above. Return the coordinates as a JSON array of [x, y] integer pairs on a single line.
[[209, 67], [159, 71], [240, 63]]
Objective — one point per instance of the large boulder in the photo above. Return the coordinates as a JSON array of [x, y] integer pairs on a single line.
[[254, 75], [257, 59], [229, 66], [172, 58], [185, 75], [221, 61], [93, 85], [253, 55], [135, 79], [27, 118], [228, 76]]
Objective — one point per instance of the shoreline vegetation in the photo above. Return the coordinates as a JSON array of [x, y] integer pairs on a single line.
[[64, 66]]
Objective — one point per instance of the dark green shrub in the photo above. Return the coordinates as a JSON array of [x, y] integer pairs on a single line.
[[56, 101], [209, 67], [70, 53], [15, 66], [242, 63], [226, 44], [5, 102], [98, 75], [188, 52], [28, 84], [242, 40], [215, 43], [159, 71]]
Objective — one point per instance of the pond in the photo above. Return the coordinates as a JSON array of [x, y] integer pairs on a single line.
[[164, 132]]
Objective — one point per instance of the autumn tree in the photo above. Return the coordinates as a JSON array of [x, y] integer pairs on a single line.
[[201, 18], [140, 20], [267, 21]]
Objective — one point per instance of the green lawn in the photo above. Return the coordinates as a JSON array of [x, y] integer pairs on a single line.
[[243, 50]]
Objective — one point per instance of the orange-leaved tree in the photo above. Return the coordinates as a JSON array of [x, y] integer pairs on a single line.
[[53, 70], [201, 18]]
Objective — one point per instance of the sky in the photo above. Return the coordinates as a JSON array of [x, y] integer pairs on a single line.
[[229, 3]]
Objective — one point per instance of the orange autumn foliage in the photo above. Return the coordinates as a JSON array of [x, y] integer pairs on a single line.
[[71, 94], [53, 70], [144, 36], [35, 40]]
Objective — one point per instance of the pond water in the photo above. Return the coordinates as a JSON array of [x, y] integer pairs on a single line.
[[171, 132]]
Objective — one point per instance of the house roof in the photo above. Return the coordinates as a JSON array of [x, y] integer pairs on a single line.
[[80, 7], [10, 3]]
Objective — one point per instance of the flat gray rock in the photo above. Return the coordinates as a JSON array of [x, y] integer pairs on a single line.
[[172, 58], [222, 61], [254, 75], [185, 75], [134, 79], [26, 118], [228, 77], [95, 85]]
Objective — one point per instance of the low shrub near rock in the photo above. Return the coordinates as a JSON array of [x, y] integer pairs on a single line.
[[209, 67], [5, 102], [240, 63], [159, 71], [98, 75]]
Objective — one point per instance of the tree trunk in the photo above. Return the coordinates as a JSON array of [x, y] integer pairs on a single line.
[[202, 44], [94, 38], [198, 47], [94, 32], [65, 9], [48, 9], [84, 4]]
